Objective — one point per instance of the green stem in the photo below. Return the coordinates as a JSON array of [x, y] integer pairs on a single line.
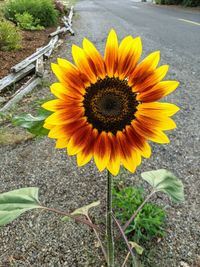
[[109, 230]]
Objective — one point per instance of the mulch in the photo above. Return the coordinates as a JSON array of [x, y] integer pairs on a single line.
[[30, 41]]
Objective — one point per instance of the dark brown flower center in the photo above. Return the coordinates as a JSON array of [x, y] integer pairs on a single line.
[[110, 104]]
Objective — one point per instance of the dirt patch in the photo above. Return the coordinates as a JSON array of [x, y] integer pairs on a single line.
[[30, 41], [10, 136]]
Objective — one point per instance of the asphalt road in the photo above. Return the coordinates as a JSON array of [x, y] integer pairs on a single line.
[[173, 28]]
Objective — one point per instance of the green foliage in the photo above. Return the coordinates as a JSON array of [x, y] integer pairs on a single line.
[[149, 221], [179, 2], [168, 2], [191, 2], [43, 10], [165, 181], [16, 202], [33, 124], [10, 38], [126, 201], [27, 22]]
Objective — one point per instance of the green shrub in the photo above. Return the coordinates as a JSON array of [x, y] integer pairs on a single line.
[[191, 2], [168, 2], [10, 38], [43, 10], [179, 2], [149, 221], [27, 22]]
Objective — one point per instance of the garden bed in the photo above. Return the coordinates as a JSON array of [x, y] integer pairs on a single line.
[[31, 40]]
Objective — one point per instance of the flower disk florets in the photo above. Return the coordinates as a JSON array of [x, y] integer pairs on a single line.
[[110, 105]]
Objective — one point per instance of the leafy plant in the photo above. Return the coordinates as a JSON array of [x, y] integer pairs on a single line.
[[178, 2], [126, 201], [43, 10], [147, 224], [10, 38], [27, 22], [34, 124]]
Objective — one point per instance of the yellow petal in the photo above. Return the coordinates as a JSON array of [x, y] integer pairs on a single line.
[[158, 91], [114, 163], [80, 58], [69, 78], [65, 93], [62, 143], [57, 131], [151, 134], [111, 53], [127, 154], [166, 109], [95, 57], [155, 77], [83, 158], [102, 150], [145, 67], [130, 51], [48, 126], [85, 155], [54, 105], [79, 140], [156, 121]]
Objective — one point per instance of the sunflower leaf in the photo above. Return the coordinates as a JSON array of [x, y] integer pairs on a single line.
[[165, 181], [137, 247], [34, 124], [16, 202], [84, 210]]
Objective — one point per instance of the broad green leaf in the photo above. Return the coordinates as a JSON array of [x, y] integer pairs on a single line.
[[16, 202], [137, 247], [165, 181], [33, 124], [84, 210]]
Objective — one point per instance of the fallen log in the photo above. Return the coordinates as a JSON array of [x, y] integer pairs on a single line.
[[25, 89], [14, 77]]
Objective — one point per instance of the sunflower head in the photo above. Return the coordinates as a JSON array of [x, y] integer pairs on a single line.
[[106, 107]]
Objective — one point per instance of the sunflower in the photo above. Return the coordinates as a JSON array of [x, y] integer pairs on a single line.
[[106, 108]]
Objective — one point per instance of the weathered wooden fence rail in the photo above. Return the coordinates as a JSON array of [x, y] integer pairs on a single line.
[[34, 62]]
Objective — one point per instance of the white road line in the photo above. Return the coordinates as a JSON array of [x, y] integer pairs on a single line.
[[190, 21]]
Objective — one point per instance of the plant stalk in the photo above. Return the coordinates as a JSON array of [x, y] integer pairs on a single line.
[[126, 241], [99, 240], [109, 230]]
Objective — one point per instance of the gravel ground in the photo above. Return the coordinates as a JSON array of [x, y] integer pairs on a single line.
[[41, 239]]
